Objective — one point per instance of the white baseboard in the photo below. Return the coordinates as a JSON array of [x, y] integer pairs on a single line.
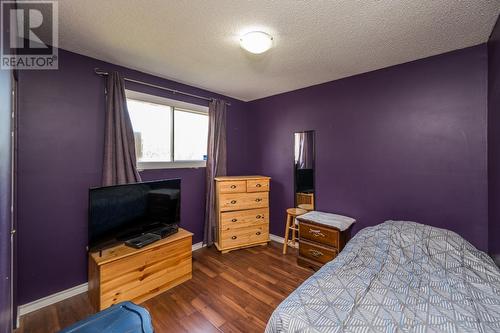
[[281, 240], [49, 300], [198, 246], [64, 294], [277, 238]]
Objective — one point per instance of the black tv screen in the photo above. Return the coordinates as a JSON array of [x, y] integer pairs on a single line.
[[119, 213]]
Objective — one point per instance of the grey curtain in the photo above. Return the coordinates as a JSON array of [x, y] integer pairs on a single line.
[[305, 158], [119, 147], [216, 163]]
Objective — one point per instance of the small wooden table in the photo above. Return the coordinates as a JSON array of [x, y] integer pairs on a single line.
[[321, 237], [122, 273]]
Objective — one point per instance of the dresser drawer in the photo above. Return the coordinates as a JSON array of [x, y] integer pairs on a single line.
[[140, 275], [234, 237], [318, 234], [236, 186], [316, 252], [240, 201], [119, 269], [244, 218], [258, 185]]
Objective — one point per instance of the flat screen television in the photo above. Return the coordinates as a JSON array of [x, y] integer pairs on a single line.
[[119, 213]]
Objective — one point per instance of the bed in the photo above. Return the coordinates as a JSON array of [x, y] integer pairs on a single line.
[[397, 277]]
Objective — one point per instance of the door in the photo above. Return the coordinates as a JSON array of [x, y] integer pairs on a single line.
[[7, 97]]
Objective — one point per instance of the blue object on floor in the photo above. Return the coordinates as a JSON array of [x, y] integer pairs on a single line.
[[124, 317]]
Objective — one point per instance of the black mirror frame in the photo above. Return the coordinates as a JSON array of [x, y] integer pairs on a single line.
[[313, 167]]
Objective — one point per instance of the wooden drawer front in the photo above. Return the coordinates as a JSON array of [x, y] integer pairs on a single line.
[[319, 234], [258, 185], [316, 252], [138, 276], [234, 237], [244, 218], [237, 186], [240, 201]]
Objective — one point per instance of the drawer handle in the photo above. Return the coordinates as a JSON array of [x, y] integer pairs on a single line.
[[258, 185], [259, 217], [316, 233], [258, 199], [234, 237], [316, 253], [234, 220], [233, 186], [233, 201], [258, 233]]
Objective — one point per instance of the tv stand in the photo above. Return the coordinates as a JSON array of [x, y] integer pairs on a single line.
[[122, 273]]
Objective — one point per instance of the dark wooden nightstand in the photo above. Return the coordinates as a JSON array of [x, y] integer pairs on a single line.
[[321, 237]]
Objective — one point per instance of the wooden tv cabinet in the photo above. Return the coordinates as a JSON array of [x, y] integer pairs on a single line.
[[122, 273]]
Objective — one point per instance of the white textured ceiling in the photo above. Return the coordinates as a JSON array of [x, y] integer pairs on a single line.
[[196, 41]]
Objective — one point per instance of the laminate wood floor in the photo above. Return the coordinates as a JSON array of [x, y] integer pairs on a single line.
[[233, 292]]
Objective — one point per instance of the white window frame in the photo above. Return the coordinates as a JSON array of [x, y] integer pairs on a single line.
[[174, 104]]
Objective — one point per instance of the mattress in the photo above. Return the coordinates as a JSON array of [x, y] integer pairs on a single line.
[[397, 277]]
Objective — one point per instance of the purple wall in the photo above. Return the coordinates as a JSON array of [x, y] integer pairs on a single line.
[[494, 139], [406, 142], [60, 154]]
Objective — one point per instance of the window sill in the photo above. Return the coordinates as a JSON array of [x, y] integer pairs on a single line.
[[170, 165]]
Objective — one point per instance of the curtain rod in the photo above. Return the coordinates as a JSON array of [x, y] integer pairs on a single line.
[[173, 91]]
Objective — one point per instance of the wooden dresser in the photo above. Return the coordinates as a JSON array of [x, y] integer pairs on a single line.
[[122, 273], [320, 243], [242, 204]]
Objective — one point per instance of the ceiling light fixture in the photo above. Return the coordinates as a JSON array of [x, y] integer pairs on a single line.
[[256, 42]]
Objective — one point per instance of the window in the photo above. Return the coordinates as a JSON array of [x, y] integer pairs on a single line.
[[190, 135], [168, 133]]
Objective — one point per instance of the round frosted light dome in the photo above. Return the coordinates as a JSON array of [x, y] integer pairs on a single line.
[[256, 42]]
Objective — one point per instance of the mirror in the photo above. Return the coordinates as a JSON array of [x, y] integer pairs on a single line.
[[304, 170]]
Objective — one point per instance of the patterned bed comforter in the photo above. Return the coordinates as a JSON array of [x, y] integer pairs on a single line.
[[397, 277]]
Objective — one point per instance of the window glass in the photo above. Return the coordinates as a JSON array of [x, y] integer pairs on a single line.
[[190, 135], [152, 124]]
